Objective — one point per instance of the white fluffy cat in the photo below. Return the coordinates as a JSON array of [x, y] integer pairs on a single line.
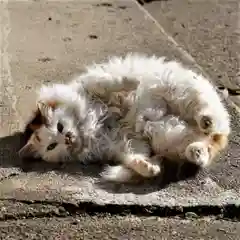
[[152, 88]]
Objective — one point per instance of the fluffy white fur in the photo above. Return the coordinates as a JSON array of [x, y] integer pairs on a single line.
[[143, 90], [81, 122], [188, 94]]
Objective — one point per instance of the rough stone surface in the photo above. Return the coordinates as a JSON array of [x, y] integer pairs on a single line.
[[209, 31], [104, 227], [51, 41]]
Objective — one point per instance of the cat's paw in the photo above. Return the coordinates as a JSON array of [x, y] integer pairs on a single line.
[[117, 174], [140, 164], [198, 153]]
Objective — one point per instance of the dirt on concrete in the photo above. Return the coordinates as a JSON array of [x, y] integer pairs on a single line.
[[119, 228]]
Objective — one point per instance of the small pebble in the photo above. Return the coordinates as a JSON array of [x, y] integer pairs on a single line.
[[45, 59], [67, 39], [122, 7], [191, 215], [92, 36]]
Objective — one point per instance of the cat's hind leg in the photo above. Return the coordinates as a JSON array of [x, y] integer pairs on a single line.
[[135, 165]]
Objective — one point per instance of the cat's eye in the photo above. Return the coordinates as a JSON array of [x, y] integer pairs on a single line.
[[51, 146], [60, 127]]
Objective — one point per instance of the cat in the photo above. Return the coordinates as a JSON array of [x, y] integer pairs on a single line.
[[127, 75], [60, 139]]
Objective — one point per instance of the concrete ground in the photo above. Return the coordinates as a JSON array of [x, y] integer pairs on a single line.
[[118, 228], [51, 41]]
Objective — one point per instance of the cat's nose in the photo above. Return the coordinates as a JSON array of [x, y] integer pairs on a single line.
[[68, 134], [60, 127]]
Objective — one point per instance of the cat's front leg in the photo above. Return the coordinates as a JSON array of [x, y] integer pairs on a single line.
[[133, 163], [133, 153], [137, 157], [142, 165]]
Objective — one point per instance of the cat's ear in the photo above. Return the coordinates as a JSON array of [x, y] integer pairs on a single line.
[[46, 110], [28, 150], [34, 123], [42, 116]]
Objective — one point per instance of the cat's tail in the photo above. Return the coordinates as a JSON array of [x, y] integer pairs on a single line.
[[118, 173]]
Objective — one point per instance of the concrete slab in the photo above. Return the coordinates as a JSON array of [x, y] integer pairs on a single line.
[[50, 42], [209, 31]]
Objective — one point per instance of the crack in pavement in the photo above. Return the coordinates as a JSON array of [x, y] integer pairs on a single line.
[[9, 176], [42, 209]]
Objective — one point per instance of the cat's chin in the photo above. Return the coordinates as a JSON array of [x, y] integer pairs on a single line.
[[60, 157]]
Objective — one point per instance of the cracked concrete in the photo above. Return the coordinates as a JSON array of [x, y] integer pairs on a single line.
[[51, 42]]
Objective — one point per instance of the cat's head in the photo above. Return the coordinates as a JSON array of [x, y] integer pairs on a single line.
[[52, 134]]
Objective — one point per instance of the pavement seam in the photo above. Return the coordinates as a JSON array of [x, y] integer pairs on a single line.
[[9, 176], [64, 209], [187, 55]]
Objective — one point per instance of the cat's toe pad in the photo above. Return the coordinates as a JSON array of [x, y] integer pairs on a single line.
[[144, 167]]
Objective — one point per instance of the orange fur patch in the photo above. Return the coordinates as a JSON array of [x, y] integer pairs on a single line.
[[218, 142], [52, 104]]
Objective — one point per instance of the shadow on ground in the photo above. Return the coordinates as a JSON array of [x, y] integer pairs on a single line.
[[10, 145]]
